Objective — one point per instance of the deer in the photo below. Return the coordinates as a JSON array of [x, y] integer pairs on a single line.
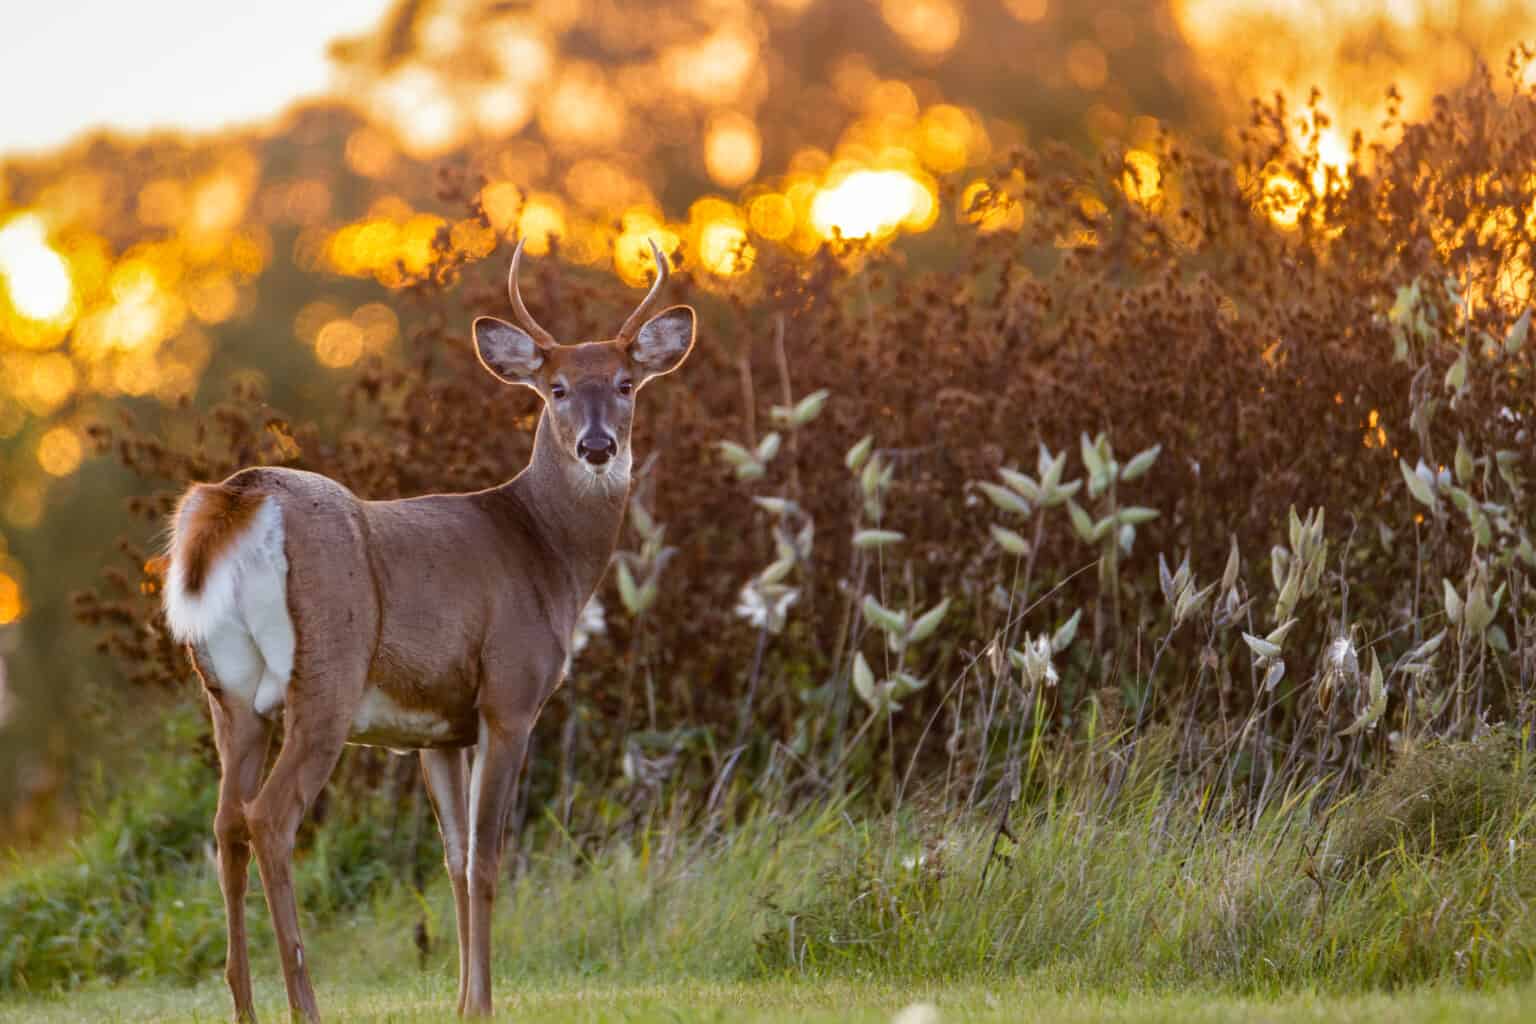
[[439, 624]]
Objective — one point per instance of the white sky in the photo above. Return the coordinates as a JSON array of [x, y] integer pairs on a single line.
[[137, 65]]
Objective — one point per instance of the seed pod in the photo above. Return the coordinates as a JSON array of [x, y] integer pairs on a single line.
[[1229, 574], [1261, 647]]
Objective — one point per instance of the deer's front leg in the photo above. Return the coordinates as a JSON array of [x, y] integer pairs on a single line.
[[447, 785], [493, 781]]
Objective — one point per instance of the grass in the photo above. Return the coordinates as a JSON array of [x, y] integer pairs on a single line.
[[429, 998], [1136, 909]]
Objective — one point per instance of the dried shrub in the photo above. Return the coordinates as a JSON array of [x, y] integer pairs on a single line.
[[1278, 367]]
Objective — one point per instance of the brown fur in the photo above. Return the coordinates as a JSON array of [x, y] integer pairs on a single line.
[[458, 604], [209, 519]]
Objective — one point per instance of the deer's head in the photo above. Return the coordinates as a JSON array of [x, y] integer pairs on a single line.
[[588, 389]]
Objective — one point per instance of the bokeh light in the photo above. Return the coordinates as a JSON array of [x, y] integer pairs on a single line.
[[59, 451], [11, 607], [872, 204], [36, 277]]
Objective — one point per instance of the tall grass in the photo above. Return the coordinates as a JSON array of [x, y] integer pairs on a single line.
[[1151, 888]]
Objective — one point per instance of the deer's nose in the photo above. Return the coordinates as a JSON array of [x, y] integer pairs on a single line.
[[596, 449]]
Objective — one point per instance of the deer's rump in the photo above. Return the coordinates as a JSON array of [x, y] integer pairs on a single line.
[[227, 596]]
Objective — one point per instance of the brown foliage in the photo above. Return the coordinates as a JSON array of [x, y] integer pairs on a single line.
[[1269, 362]]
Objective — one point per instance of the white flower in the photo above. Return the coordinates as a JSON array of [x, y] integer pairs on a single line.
[[766, 605], [1342, 659], [1034, 661], [593, 621]]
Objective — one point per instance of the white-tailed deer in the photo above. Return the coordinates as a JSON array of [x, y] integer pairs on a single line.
[[433, 623]]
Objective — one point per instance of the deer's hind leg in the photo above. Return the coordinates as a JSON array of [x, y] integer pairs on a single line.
[[242, 739]]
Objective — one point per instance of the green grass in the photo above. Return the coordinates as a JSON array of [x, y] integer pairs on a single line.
[[1143, 908], [430, 998]]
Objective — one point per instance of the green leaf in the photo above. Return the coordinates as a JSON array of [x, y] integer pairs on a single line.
[[929, 621], [894, 623], [1456, 376], [629, 594], [1009, 541], [1021, 483], [1464, 467], [777, 506], [1140, 463], [863, 679], [1516, 336], [768, 447], [1093, 461], [1135, 515], [1081, 523], [776, 572], [1452, 603], [856, 455], [1004, 498], [1062, 639], [734, 453], [877, 538], [808, 408], [1418, 486]]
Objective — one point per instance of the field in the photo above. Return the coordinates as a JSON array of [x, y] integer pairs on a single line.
[[685, 1001]]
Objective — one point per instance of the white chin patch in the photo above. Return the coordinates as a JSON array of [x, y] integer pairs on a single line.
[[239, 620]]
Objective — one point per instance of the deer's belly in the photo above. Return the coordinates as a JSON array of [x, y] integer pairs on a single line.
[[380, 721]]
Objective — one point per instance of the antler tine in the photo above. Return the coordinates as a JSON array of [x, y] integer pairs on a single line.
[[632, 325], [525, 319]]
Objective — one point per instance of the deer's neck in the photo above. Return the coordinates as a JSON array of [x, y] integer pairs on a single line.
[[578, 514]]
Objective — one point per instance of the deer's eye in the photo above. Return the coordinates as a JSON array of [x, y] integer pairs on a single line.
[[557, 391], [626, 387]]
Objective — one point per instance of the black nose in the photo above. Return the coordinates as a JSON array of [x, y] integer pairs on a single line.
[[596, 450]]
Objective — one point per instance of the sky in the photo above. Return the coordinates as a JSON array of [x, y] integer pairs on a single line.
[[70, 65]]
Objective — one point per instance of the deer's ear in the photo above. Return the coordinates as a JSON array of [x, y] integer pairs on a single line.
[[661, 345], [507, 351]]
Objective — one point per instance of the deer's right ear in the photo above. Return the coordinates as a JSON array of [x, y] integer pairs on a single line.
[[507, 351]]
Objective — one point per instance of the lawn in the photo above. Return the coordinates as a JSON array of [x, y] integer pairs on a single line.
[[429, 998]]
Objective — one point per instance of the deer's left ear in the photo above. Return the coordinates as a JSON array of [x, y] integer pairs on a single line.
[[663, 342]]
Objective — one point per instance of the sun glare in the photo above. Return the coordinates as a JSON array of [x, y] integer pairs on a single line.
[[872, 204], [36, 276]]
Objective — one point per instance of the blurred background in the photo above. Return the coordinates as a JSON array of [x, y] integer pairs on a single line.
[[191, 199]]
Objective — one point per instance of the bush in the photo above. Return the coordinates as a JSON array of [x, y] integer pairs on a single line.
[[1169, 379]]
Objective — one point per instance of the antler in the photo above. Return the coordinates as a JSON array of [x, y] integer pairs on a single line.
[[638, 317], [525, 319]]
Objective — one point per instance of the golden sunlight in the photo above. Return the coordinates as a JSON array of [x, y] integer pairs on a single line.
[[35, 275], [872, 204], [10, 599], [59, 451]]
